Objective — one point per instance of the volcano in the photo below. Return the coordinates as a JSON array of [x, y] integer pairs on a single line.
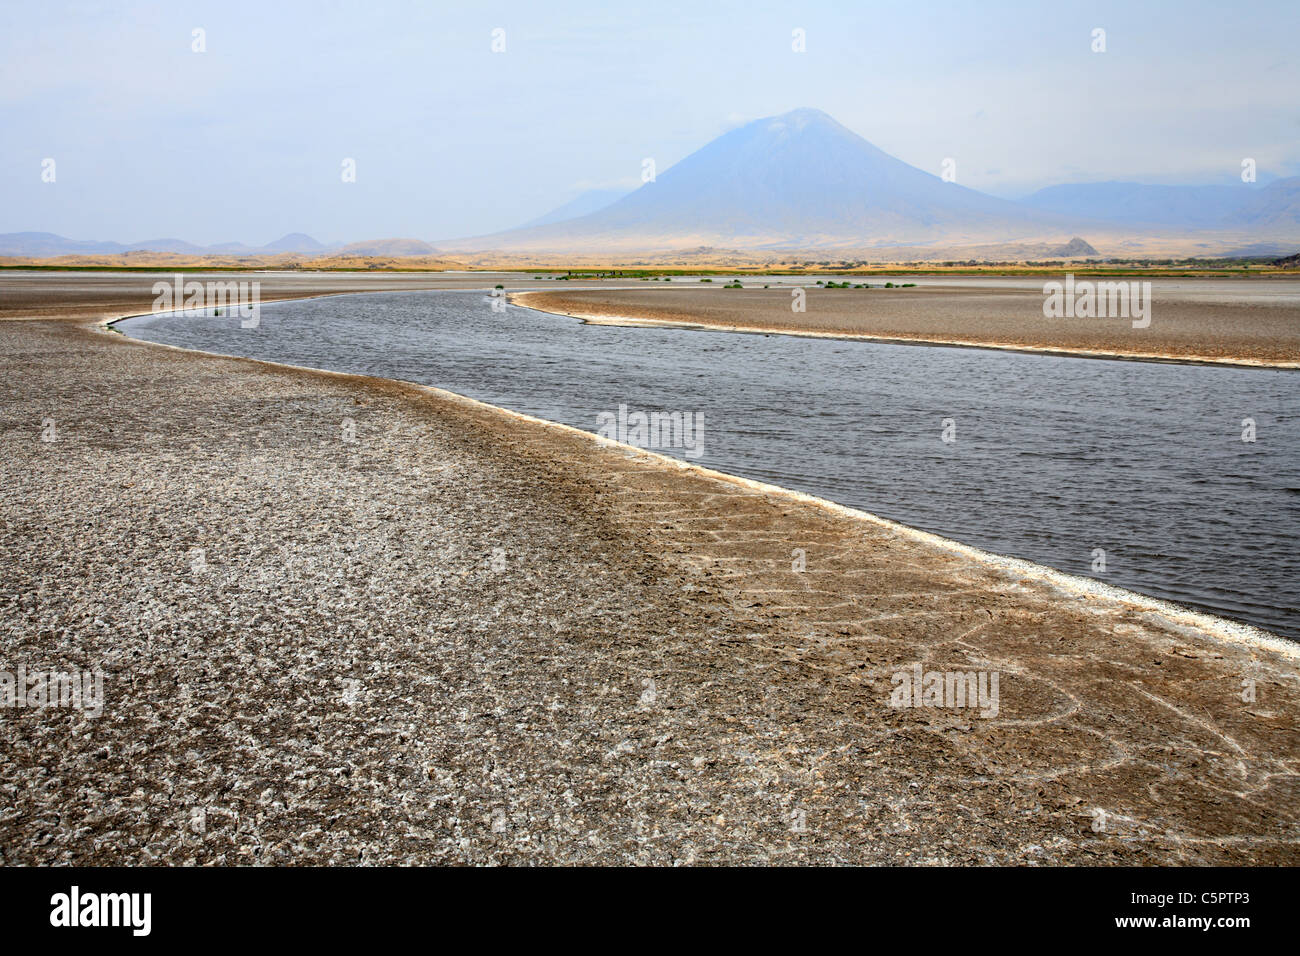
[[799, 180]]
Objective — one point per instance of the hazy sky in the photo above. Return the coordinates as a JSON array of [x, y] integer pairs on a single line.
[[245, 141]]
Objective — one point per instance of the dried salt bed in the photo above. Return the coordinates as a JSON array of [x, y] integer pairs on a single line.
[[471, 638]]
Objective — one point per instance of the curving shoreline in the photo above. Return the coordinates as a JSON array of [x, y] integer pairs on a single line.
[[1220, 627], [1170, 608], [647, 647]]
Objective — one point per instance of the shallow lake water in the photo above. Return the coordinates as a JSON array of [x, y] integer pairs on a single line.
[[1051, 459]]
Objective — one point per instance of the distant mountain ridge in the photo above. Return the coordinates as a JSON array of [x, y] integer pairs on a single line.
[[1184, 207], [44, 245], [803, 182], [40, 245], [295, 242], [387, 247]]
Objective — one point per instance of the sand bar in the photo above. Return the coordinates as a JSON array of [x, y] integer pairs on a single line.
[[1188, 328]]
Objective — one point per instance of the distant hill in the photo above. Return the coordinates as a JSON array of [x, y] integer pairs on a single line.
[[387, 247], [41, 245], [295, 242], [1274, 206], [44, 245], [1136, 204], [1074, 249], [167, 245]]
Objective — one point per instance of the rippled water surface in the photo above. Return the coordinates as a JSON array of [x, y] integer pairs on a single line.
[[1053, 457]]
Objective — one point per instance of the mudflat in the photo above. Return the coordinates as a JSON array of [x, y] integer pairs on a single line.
[[345, 620], [1185, 324]]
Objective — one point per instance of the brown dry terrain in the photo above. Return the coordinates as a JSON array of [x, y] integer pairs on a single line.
[[471, 637], [1182, 326]]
